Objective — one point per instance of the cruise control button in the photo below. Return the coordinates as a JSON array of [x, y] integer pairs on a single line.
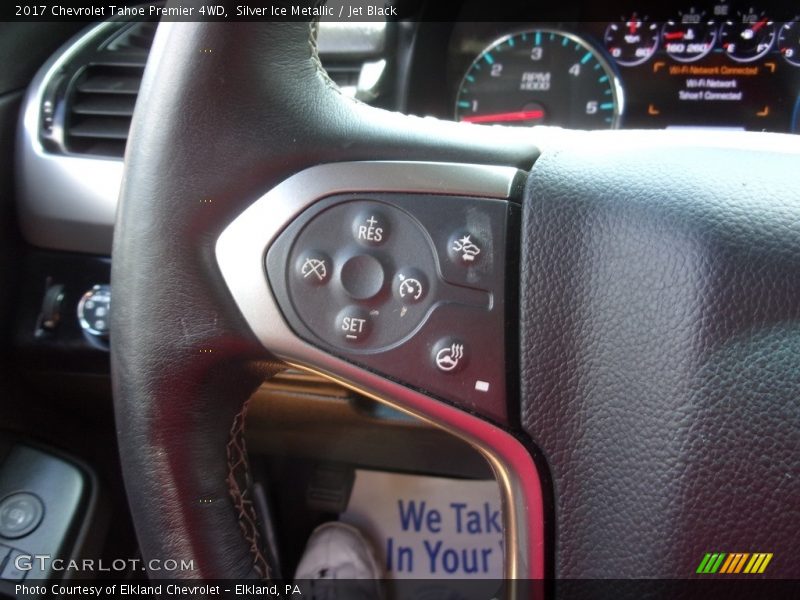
[[20, 514], [314, 268], [354, 324], [371, 228], [362, 276], [449, 355], [464, 248], [410, 286]]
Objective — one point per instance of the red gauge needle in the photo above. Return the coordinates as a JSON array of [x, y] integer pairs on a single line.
[[520, 115], [759, 25], [632, 26], [675, 35]]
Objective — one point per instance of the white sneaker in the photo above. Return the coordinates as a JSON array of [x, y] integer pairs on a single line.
[[339, 563]]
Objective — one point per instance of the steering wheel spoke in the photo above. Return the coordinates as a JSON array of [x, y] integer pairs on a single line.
[[196, 324]]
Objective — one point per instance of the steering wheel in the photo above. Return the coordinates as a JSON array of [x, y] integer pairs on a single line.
[[651, 412]]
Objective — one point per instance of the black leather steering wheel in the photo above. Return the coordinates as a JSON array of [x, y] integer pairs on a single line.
[[659, 351]]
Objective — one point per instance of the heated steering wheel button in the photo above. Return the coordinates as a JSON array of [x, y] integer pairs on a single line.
[[354, 324], [464, 248], [371, 228], [314, 268], [449, 355], [362, 276], [20, 514]]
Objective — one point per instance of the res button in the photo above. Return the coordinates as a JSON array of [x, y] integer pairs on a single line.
[[371, 228]]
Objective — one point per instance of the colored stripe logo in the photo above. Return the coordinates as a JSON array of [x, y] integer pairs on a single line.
[[733, 563]]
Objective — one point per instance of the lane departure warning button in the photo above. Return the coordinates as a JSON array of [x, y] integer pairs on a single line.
[[464, 248]]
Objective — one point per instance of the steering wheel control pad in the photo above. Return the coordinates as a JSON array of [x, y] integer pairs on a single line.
[[410, 286]]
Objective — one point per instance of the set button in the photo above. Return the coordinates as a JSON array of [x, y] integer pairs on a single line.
[[354, 324]]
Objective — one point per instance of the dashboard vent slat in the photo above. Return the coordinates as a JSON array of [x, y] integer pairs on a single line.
[[109, 105], [101, 127], [99, 108], [137, 38], [102, 83]]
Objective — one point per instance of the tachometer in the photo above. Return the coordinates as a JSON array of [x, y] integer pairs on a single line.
[[540, 77]]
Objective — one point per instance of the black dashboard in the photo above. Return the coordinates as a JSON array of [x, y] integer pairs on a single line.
[[717, 65]]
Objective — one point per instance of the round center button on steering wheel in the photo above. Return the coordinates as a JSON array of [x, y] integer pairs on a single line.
[[362, 276]]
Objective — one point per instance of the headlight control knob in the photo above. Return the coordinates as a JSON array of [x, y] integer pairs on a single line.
[[94, 310]]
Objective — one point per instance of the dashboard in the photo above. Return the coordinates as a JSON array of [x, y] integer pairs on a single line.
[[716, 65], [713, 65]]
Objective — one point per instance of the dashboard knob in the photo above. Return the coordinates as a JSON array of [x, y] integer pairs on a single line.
[[94, 310]]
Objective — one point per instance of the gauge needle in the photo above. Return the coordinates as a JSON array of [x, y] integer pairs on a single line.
[[520, 115], [759, 25], [675, 35]]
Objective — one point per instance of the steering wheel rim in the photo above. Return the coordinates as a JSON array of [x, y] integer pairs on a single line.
[[185, 359], [182, 373]]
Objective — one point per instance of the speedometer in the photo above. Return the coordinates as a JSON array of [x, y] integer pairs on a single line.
[[540, 77]]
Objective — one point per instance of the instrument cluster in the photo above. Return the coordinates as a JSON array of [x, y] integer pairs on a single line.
[[705, 66]]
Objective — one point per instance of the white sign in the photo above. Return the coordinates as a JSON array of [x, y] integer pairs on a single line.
[[429, 527]]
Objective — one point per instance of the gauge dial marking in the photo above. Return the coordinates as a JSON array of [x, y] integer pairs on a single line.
[[541, 76], [749, 38], [632, 41], [789, 42], [689, 38], [520, 115]]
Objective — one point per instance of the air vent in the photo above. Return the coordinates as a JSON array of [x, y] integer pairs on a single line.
[[87, 105], [136, 38], [99, 108]]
